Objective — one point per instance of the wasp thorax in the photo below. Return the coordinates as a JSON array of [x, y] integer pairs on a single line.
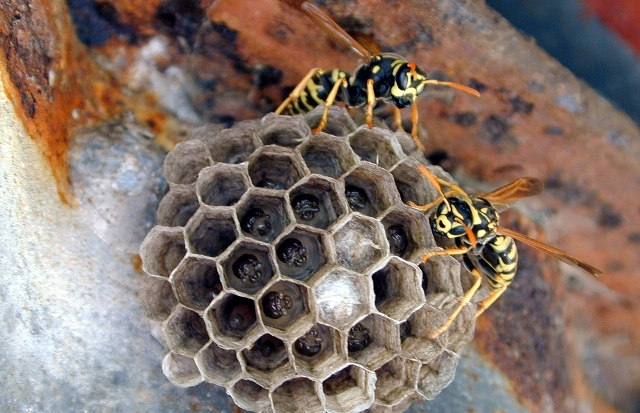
[[292, 252], [248, 269], [276, 304], [256, 222], [359, 338]]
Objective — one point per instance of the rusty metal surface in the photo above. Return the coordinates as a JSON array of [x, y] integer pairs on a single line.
[[562, 338], [53, 83]]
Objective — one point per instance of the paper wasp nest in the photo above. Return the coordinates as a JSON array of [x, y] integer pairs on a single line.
[[285, 266]]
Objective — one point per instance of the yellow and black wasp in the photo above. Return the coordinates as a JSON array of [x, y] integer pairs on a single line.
[[472, 222], [383, 77]]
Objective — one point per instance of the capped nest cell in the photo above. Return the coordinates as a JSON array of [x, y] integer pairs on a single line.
[[285, 266]]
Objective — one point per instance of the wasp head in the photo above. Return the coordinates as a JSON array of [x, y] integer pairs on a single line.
[[452, 218], [409, 83]]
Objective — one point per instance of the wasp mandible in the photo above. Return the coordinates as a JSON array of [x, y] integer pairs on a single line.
[[387, 77], [472, 222]]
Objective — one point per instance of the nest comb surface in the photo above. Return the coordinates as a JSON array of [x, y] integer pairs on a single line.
[[285, 266]]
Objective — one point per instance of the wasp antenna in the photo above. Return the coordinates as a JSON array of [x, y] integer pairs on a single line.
[[470, 235], [454, 85], [427, 174]]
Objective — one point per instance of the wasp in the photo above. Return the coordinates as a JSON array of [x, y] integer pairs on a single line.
[[472, 222], [385, 77]]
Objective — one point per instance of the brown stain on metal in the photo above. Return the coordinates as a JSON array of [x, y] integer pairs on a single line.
[[136, 262], [138, 13], [51, 80]]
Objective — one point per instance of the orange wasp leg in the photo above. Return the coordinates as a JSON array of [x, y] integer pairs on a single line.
[[486, 303], [397, 118], [470, 293], [371, 102], [295, 93], [464, 301], [327, 103], [414, 127]]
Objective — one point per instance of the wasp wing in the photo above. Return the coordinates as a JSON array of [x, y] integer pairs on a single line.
[[327, 24], [368, 43], [554, 252], [511, 192]]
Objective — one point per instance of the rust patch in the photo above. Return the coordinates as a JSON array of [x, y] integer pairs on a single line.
[[52, 82], [139, 14], [609, 217], [634, 237], [96, 22], [477, 85], [180, 18], [136, 262], [464, 118], [280, 31], [497, 131], [519, 105], [567, 190], [523, 332], [554, 130]]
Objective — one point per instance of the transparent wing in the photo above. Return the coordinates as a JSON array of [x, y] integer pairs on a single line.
[[327, 24], [554, 252], [520, 188]]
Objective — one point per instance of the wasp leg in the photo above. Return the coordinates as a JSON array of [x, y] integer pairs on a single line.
[[447, 251], [465, 300], [414, 127], [438, 183], [454, 188], [327, 103], [431, 204], [371, 102], [397, 118], [295, 93], [486, 303]]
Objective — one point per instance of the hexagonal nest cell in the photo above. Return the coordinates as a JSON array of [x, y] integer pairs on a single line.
[[286, 267]]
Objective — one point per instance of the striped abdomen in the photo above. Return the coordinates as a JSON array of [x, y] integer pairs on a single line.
[[498, 259], [316, 91]]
